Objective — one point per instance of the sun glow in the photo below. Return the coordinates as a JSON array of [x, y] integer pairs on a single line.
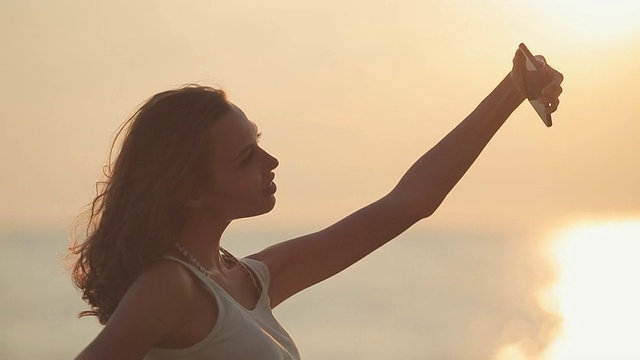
[[598, 291], [594, 20]]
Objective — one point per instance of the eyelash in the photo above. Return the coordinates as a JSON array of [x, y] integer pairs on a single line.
[[247, 160]]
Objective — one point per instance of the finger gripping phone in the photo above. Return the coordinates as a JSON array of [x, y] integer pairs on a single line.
[[534, 81]]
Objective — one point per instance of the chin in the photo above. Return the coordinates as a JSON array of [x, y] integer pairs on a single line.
[[264, 209], [270, 206]]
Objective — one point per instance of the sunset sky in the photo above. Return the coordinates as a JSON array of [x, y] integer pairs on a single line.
[[346, 93]]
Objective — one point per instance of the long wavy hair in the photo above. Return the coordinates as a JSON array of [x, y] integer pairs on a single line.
[[139, 208]]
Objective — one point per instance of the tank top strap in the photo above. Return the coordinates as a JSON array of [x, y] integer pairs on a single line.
[[261, 270], [202, 277]]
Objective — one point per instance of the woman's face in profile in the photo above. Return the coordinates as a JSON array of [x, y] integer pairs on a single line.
[[242, 171]]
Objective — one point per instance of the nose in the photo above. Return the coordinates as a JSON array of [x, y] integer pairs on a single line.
[[274, 162], [271, 161]]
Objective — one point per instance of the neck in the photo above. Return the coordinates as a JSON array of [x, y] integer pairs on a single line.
[[201, 235]]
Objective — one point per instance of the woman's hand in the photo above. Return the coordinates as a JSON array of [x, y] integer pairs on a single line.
[[550, 92]]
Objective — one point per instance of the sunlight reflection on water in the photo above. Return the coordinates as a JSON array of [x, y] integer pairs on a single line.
[[597, 292]]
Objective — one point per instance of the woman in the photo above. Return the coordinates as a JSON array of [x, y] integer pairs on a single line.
[[152, 268]]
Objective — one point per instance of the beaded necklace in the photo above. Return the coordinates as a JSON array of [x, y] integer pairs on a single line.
[[226, 257]]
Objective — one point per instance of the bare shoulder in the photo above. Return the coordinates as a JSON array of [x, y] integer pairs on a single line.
[[165, 287], [159, 297], [155, 305], [165, 277]]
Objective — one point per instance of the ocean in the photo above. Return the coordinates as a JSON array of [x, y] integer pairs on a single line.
[[426, 295]]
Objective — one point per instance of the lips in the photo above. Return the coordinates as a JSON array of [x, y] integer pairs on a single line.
[[271, 187]]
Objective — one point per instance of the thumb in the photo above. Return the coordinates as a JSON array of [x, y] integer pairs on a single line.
[[517, 72]]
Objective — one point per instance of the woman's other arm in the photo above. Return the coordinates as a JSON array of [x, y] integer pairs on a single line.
[[154, 304]]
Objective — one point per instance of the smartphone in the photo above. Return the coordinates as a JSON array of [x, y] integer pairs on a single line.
[[534, 81]]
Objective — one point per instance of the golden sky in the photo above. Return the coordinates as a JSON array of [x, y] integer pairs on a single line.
[[348, 94]]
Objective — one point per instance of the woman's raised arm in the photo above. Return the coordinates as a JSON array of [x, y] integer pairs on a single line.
[[302, 262]]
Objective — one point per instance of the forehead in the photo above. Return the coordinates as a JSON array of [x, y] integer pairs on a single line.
[[232, 133]]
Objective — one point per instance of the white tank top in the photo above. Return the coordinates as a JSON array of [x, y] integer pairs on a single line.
[[239, 333]]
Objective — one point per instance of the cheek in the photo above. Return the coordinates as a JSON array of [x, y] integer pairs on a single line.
[[240, 197], [236, 188]]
